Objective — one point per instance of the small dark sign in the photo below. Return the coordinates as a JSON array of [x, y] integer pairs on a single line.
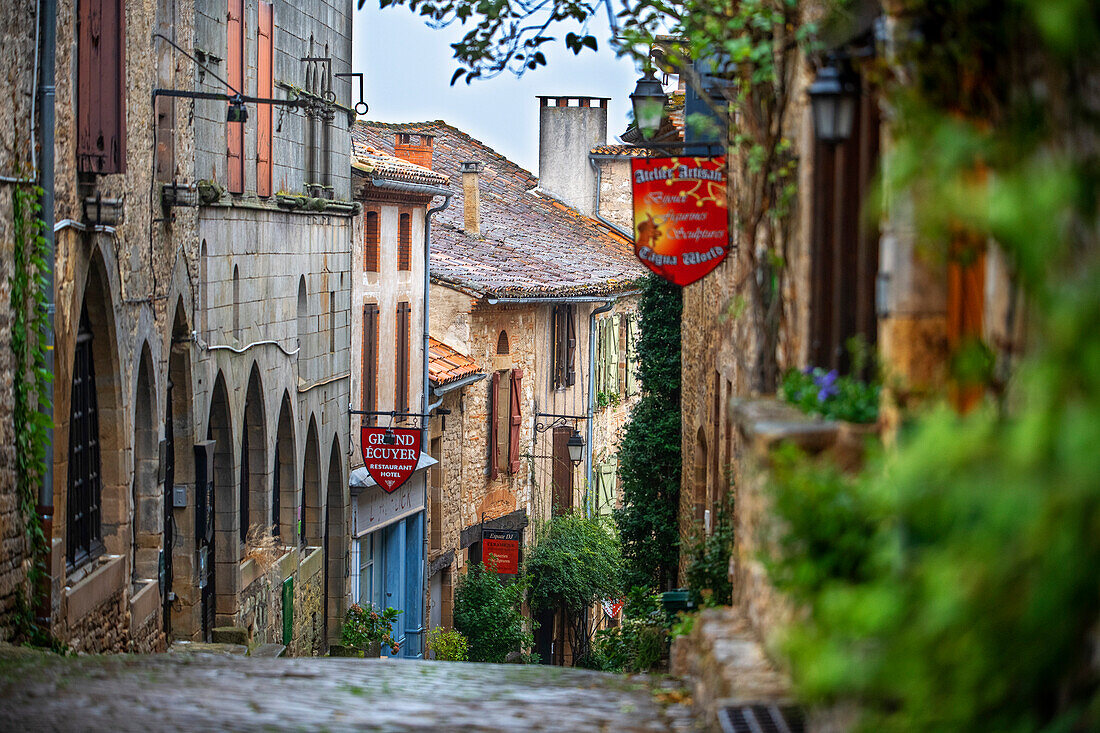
[[390, 455], [501, 546]]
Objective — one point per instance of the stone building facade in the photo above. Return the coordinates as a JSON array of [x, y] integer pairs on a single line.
[[521, 281], [202, 361]]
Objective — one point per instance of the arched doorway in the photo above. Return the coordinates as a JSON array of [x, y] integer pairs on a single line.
[[179, 470], [311, 530], [335, 542], [253, 479], [216, 525], [284, 509], [97, 516], [147, 531]]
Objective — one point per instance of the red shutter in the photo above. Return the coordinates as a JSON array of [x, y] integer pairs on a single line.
[[235, 130], [370, 361], [404, 243], [514, 422], [370, 242], [494, 382], [401, 398], [264, 89], [101, 87]]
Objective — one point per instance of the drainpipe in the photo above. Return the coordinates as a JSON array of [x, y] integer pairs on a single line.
[[591, 395], [48, 49]]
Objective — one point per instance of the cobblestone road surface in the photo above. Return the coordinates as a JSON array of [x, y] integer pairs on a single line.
[[203, 692]]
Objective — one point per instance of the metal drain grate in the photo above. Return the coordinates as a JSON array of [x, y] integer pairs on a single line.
[[761, 719]]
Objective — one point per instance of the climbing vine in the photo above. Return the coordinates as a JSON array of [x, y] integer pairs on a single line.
[[32, 420]]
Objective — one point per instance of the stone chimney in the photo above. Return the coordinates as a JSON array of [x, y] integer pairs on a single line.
[[569, 127], [471, 198], [414, 147]]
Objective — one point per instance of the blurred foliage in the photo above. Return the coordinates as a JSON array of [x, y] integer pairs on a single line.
[[953, 585], [488, 613], [649, 454], [818, 392], [708, 561]]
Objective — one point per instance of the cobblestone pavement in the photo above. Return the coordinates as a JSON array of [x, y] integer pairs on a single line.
[[206, 692]]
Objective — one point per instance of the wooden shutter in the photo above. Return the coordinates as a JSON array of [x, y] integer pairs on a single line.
[[965, 309], [101, 87], [235, 63], [557, 357], [514, 420], [494, 382], [401, 396], [370, 360], [404, 242], [632, 357], [601, 353], [623, 326], [570, 348], [264, 89], [562, 473], [436, 534], [370, 242]]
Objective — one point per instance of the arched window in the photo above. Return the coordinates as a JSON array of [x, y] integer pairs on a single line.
[[502, 343], [83, 525]]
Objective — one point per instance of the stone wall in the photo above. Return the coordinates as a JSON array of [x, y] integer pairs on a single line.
[[17, 59], [616, 191]]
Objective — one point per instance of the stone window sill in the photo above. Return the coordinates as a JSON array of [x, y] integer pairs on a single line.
[[84, 596]]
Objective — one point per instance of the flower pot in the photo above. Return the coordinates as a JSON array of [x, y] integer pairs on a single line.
[[851, 443], [373, 650]]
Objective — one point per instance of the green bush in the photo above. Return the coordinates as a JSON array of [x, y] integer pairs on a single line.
[[488, 614], [709, 561], [819, 392], [366, 626], [640, 642], [448, 645]]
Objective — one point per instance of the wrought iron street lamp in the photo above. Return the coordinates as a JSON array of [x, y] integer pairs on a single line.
[[833, 97], [648, 101], [576, 447]]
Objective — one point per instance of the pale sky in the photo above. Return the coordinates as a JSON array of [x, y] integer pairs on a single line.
[[408, 68]]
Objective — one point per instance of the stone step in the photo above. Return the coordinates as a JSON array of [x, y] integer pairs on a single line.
[[269, 650]]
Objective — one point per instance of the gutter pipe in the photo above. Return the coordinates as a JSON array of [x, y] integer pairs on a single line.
[[599, 175], [608, 305], [46, 125], [563, 299]]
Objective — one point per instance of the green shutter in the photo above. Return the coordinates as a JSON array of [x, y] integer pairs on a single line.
[[631, 357]]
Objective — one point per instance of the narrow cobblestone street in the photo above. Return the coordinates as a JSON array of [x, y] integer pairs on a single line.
[[209, 692]]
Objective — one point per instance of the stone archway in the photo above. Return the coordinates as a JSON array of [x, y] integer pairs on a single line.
[[284, 481], [95, 507], [253, 485], [182, 618], [145, 493], [220, 604], [312, 516], [335, 542]]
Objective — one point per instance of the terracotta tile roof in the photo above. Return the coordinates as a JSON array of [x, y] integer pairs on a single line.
[[629, 151], [530, 244], [446, 364], [373, 161]]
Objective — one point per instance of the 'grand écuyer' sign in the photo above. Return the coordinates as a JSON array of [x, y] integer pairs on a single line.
[[390, 459], [681, 224]]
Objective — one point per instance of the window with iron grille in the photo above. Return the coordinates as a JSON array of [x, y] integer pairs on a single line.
[[84, 540], [563, 347], [404, 242]]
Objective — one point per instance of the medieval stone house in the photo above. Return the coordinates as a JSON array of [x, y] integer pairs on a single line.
[[202, 362]]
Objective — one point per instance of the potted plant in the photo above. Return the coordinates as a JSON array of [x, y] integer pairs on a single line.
[[367, 629]]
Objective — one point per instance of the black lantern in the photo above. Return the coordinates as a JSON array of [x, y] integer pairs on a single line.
[[389, 438], [648, 101], [236, 111], [833, 97], [576, 447]]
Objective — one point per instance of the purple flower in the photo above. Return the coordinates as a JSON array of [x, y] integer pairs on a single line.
[[826, 384], [808, 370]]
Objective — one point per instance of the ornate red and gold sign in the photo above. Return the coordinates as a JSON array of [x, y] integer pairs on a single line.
[[681, 225], [390, 455]]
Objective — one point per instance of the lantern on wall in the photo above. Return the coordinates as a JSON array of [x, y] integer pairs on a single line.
[[576, 447], [833, 97], [648, 101]]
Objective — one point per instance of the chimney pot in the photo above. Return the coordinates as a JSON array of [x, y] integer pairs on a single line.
[[471, 197]]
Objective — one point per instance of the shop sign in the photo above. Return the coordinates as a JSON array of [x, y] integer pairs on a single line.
[[390, 455], [502, 547], [681, 220]]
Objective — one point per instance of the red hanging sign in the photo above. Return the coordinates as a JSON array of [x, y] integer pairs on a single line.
[[500, 549], [390, 455], [681, 222]]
